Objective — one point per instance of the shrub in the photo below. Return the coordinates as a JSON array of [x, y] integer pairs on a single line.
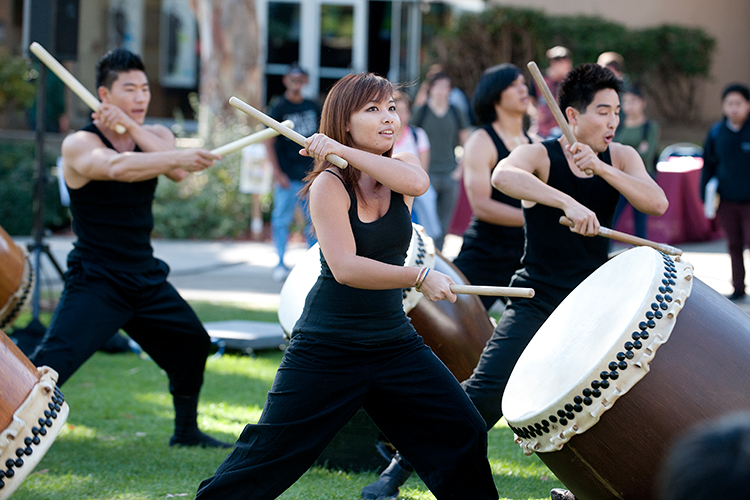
[[17, 184], [669, 60]]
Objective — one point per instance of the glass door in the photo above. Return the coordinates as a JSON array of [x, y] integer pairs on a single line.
[[328, 38]]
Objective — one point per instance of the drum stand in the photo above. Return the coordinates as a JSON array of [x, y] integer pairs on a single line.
[[38, 247]]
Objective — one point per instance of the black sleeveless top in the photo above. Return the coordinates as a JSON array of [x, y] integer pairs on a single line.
[[113, 221], [485, 234], [553, 254], [341, 312]]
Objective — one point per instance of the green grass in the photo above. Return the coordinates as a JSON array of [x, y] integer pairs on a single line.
[[114, 445]]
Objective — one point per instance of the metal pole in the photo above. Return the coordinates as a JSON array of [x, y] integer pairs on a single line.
[[41, 181]]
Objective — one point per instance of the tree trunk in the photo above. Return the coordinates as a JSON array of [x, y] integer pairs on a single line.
[[230, 65]]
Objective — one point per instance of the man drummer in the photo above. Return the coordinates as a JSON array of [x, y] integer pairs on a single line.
[[113, 280], [552, 178]]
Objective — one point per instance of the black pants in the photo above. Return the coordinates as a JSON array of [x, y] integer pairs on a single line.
[[518, 324], [406, 390], [96, 303], [735, 221]]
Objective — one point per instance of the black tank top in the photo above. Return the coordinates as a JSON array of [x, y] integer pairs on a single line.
[[553, 253], [485, 234], [113, 221], [341, 312]]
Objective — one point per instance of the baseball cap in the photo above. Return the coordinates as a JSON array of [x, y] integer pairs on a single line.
[[558, 52]]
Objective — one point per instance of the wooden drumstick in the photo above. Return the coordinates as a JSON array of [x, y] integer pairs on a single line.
[[250, 139], [285, 131], [553, 106], [69, 80], [493, 291], [628, 238]]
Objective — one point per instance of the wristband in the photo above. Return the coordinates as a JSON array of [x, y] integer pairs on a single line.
[[422, 277]]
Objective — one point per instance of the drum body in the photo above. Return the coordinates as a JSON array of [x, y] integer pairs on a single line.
[[32, 412], [16, 279], [620, 405]]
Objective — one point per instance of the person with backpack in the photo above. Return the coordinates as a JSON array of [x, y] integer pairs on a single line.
[[447, 127], [641, 133]]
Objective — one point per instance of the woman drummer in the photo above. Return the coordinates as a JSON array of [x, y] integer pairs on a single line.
[[353, 346], [493, 243]]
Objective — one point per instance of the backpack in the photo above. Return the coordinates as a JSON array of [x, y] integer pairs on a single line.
[[421, 112]]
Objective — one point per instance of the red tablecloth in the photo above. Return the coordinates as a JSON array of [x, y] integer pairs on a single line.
[[684, 220], [461, 213]]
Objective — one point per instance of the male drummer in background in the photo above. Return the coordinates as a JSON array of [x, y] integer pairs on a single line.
[[113, 280], [552, 178], [552, 175]]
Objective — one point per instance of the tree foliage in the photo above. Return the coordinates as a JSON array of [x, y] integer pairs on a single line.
[[670, 61], [16, 89]]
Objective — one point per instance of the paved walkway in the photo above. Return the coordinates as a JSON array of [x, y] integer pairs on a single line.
[[230, 271]]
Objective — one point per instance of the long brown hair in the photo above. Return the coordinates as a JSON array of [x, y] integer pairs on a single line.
[[346, 97]]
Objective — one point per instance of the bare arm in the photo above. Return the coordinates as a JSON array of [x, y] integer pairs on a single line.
[[523, 175], [628, 175], [149, 138], [329, 205], [85, 158], [402, 173], [480, 157]]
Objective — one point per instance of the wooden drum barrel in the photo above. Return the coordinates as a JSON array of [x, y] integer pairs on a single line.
[[16, 279], [596, 401], [32, 412]]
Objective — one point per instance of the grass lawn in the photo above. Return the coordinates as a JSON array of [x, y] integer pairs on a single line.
[[115, 443]]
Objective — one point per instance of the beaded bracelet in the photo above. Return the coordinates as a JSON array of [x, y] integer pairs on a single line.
[[421, 278]]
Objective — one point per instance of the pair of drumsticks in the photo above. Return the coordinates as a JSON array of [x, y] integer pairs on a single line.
[[285, 129]]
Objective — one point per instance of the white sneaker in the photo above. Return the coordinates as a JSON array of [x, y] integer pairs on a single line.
[[280, 273]]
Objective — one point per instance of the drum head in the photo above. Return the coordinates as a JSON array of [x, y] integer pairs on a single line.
[[301, 279], [585, 335]]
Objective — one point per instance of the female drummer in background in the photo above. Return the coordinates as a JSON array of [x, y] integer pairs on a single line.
[[353, 346], [493, 243]]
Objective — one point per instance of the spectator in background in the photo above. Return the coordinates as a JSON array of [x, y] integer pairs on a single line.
[[711, 461], [289, 167], [616, 64], [642, 133], [457, 97], [560, 64], [447, 127], [414, 140], [726, 156]]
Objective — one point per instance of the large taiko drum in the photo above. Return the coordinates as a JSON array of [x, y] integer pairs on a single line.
[[456, 332], [596, 401], [16, 279], [32, 412]]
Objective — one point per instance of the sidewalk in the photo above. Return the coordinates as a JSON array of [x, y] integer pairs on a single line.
[[229, 271]]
